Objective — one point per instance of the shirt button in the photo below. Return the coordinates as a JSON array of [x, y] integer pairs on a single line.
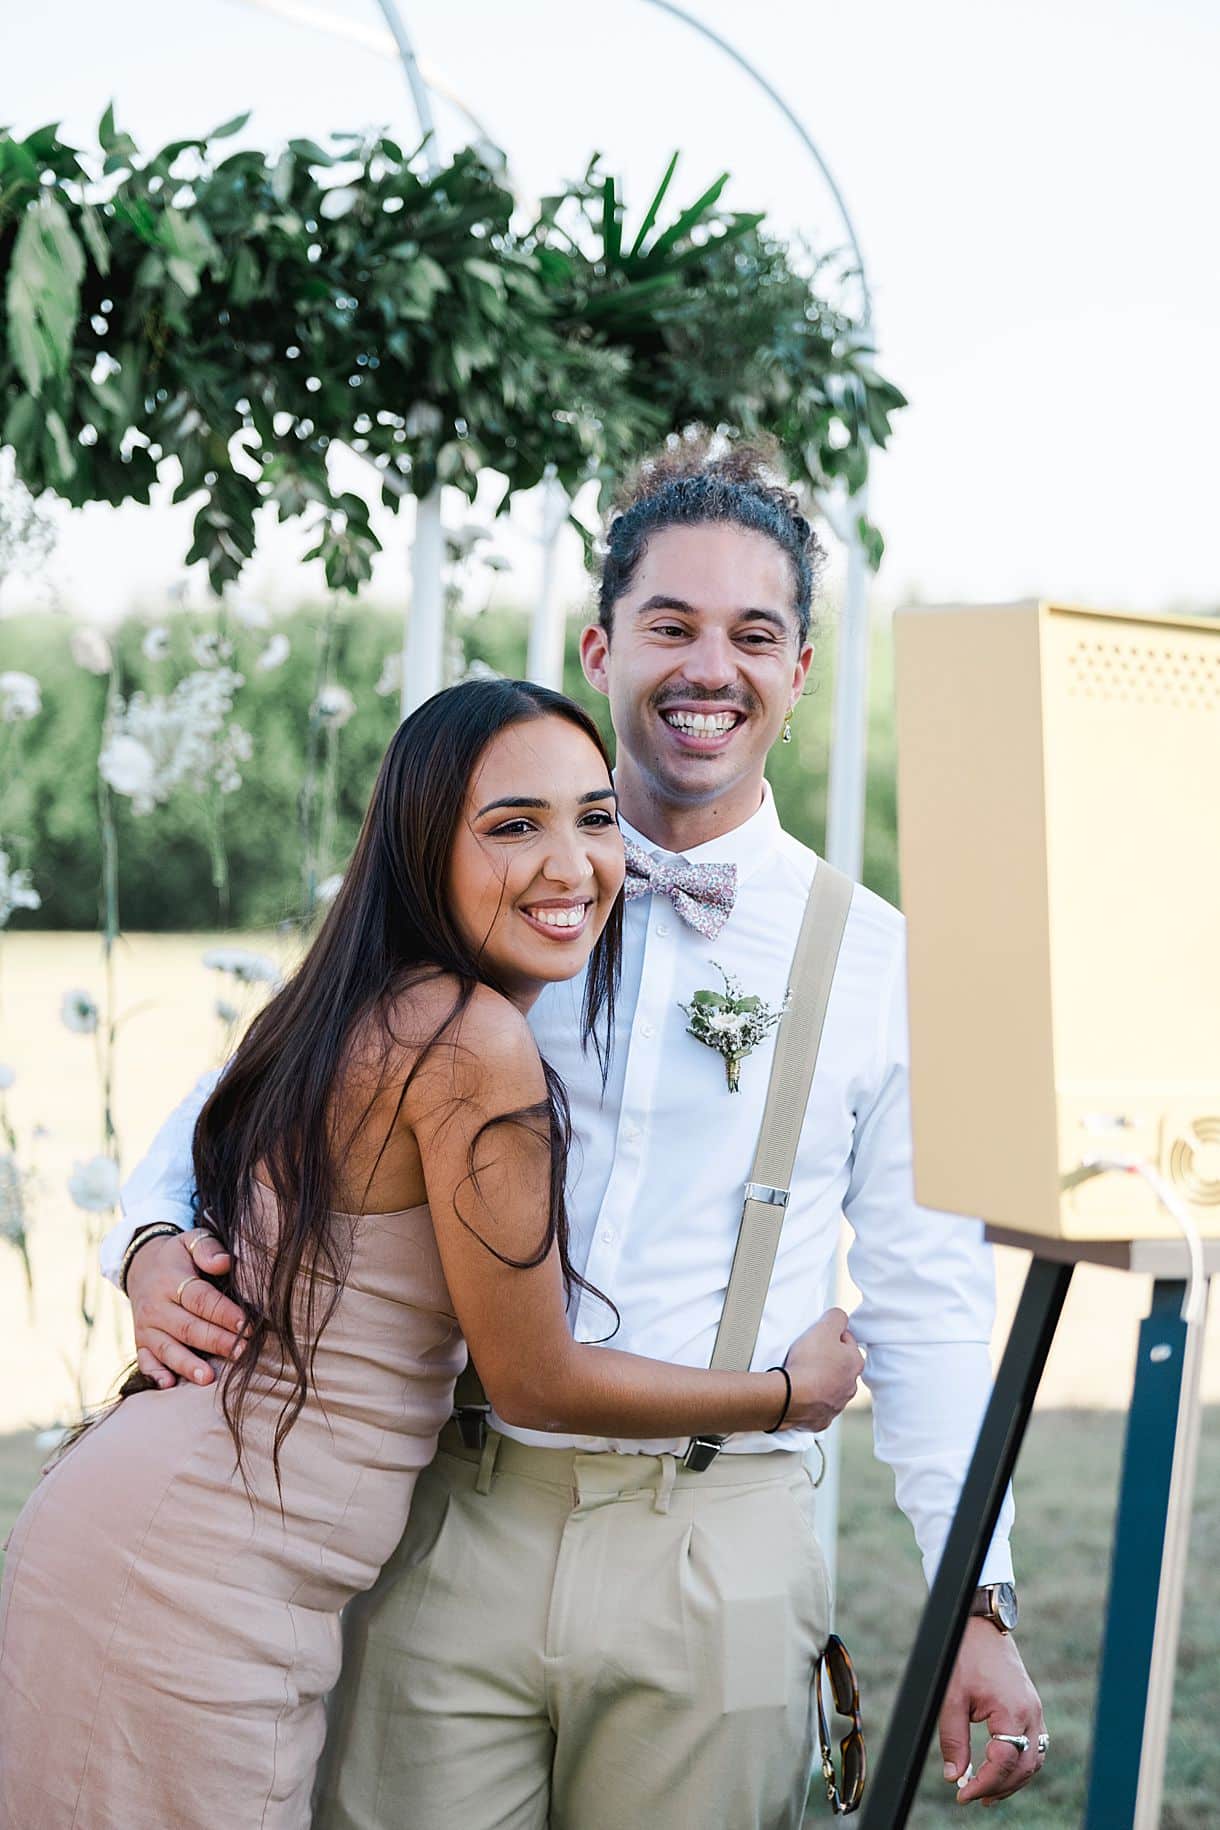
[[664, 930], [607, 1236], [648, 1031], [631, 1131]]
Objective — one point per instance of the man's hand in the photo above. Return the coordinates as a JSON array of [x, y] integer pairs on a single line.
[[990, 1684], [166, 1327]]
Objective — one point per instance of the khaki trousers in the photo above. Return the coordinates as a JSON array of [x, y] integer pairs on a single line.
[[590, 1642]]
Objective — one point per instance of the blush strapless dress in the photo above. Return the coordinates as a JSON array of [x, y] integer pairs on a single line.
[[168, 1636]]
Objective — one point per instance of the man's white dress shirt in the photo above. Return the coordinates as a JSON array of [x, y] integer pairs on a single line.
[[661, 1158]]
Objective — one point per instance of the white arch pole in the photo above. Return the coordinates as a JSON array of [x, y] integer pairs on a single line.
[[423, 643], [423, 647], [548, 625], [849, 740]]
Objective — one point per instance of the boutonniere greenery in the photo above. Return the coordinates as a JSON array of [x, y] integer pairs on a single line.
[[731, 1023]]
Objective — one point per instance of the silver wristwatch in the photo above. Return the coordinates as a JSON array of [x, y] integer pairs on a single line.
[[996, 1602]]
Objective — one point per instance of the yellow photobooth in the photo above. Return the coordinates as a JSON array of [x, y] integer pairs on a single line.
[[1059, 797], [1059, 841]]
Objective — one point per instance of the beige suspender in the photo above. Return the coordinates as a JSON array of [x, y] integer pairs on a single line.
[[766, 1197]]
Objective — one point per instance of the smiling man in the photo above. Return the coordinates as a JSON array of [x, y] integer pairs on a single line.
[[588, 1634]]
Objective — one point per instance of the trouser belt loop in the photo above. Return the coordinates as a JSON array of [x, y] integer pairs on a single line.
[[487, 1461], [665, 1486]]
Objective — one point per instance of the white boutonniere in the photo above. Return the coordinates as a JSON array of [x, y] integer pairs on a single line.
[[731, 1023]]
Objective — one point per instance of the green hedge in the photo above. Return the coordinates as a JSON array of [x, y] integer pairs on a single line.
[[49, 820]]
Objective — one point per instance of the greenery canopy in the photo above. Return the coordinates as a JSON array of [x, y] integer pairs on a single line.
[[241, 313]]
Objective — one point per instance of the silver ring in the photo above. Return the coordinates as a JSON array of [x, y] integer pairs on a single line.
[[1020, 1742], [1044, 1742]]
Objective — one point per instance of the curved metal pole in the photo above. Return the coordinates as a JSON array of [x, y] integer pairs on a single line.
[[848, 771], [369, 38], [416, 83], [423, 642], [794, 121]]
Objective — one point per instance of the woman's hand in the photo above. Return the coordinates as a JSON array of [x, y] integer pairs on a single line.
[[824, 1365], [173, 1309]]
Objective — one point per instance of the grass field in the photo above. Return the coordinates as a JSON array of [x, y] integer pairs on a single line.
[[1065, 1505]]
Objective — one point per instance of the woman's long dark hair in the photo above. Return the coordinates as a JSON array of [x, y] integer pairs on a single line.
[[274, 1108]]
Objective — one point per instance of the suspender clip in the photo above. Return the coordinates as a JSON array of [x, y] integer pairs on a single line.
[[701, 1452], [471, 1420], [762, 1191]]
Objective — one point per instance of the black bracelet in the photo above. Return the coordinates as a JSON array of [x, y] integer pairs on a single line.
[[156, 1229], [783, 1416]]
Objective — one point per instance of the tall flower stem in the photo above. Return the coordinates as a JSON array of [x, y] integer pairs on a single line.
[[307, 799]]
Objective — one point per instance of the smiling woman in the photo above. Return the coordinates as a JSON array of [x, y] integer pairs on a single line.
[[537, 859]]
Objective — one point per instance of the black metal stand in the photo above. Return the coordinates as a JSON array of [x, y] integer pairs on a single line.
[[1145, 1594]]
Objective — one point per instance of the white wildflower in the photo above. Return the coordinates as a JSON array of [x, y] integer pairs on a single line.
[[480, 670], [94, 1186], [157, 743], [130, 768], [228, 1013], [390, 680], [7, 1076], [329, 888], [155, 645], [209, 649], [247, 967], [91, 650], [16, 890], [79, 1012], [333, 706], [274, 654], [20, 698]]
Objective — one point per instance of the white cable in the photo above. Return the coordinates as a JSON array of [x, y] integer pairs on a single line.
[[1194, 1303]]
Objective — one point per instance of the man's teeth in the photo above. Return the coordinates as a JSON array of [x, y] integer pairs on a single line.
[[701, 724], [560, 918]]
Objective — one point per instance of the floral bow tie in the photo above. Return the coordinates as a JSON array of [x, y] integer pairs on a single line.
[[703, 894]]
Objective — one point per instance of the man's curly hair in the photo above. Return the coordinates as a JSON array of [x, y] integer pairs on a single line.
[[700, 479]]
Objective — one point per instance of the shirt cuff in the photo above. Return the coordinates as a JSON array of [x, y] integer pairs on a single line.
[[114, 1246]]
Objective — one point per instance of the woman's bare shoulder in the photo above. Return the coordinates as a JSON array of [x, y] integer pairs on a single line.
[[462, 1039]]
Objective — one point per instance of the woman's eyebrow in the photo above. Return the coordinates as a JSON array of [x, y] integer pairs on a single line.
[[521, 800]]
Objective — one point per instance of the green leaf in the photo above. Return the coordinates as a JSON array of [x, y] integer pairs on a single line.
[[612, 227], [651, 213], [710, 1000], [690, 218], [21, 424], [95, 240], [58, 434], [43, 294], [228, 128]]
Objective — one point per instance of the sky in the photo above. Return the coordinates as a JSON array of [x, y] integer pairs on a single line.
[[1033, 187]]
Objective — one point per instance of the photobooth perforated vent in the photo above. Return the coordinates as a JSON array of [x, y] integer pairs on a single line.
[[1138, 673]]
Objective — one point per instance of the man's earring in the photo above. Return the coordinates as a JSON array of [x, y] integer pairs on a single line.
[[787, 732]]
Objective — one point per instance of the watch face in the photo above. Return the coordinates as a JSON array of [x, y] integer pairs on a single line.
[[1005, 1604]]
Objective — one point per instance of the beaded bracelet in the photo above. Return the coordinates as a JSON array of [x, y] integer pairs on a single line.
[[159, 1229]]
